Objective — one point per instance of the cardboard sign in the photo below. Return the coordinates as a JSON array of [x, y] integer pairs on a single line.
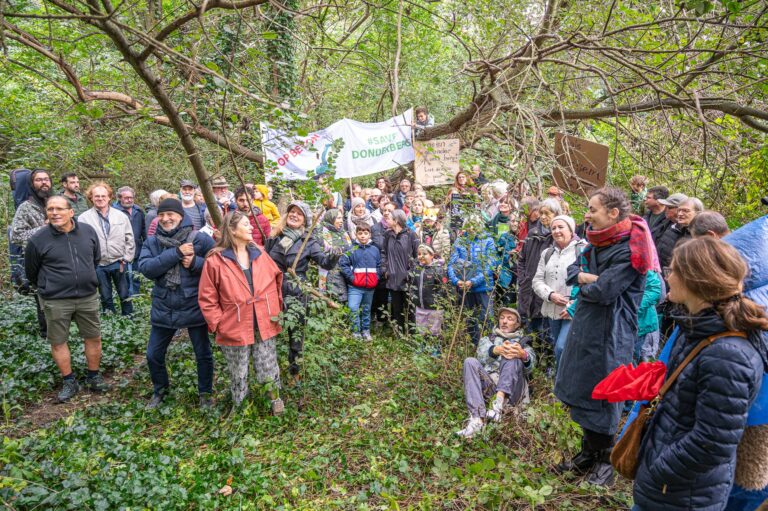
[[582, 164], [437, 161]]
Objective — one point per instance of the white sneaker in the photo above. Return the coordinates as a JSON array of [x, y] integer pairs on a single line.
[[367, 336], [474, 426], [357, 336], [496, 410]]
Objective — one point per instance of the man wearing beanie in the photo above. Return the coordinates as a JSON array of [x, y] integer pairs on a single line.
[[174, 259]]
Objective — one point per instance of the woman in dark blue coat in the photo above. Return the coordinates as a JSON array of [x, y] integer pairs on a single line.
[[688, 452], [174, 258], [611, 277]]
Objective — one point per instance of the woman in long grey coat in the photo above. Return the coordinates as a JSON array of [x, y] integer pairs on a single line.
[[604, 329]]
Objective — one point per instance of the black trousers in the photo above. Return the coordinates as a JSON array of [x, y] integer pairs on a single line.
[[400, 309]]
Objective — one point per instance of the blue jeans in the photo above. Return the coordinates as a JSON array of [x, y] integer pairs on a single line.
[[107, 275], [479, 315], [360, 300], [160, 338], [558, 329]]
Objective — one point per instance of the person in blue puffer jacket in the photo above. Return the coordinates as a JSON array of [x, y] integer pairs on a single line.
[[688, 452], [470, 269]]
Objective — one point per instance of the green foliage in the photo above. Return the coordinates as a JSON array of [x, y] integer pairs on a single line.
[[374, 430], [27, 369]]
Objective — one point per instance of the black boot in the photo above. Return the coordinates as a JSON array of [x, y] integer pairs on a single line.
[[601, 473], [579, 464]]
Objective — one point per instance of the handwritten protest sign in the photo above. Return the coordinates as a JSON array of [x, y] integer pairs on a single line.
[[437, 161], [582, 164]]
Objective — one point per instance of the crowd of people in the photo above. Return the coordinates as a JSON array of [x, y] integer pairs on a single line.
[[534, 284]]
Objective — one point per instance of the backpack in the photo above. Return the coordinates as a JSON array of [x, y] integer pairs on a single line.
[[20, 185]]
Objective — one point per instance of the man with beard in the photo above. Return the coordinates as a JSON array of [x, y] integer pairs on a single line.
[[259, 222], [60, 262], [29, 219], [192, 209], [70, 189], [174, 259]]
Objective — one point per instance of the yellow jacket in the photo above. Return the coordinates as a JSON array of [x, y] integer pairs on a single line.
[[267, 207]]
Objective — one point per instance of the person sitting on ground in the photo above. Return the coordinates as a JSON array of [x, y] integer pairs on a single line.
[[173, 258], [504, 360], [358, 215], [361, 267], [709, 223], [240, 297], [638, 184], [268, 208], [426, 285], [470, 269], [259, 222], [60, 262]]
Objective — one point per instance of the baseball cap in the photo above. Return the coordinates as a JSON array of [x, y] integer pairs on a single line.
[[186, 182], [674, 200]]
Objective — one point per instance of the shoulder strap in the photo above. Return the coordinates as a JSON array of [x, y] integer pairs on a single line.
[[703, 344], [548, 255]]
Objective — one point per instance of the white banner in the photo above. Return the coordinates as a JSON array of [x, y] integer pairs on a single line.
[[368, 148]]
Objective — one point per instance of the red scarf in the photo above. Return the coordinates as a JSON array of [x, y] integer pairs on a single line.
[[641, 245]]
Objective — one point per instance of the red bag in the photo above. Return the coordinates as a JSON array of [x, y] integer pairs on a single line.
[[629, 383]]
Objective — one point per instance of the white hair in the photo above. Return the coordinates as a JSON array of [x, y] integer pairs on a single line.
[[154, 197]]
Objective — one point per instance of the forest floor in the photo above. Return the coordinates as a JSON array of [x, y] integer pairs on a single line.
[[371, 426]]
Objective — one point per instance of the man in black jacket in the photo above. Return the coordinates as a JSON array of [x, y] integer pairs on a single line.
[[60, 261]]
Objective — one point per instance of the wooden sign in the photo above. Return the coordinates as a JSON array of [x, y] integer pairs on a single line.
[[582, 164], [437, 161]]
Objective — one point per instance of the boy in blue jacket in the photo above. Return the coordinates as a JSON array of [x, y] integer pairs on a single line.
[[361, 267]]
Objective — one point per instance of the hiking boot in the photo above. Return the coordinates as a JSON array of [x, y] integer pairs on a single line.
[[496, 411], [601, 473], [96, 383], [69, 389], [278, 407], [367, 336], [206, 402], [156, 401], [473, 427], [579, 464]]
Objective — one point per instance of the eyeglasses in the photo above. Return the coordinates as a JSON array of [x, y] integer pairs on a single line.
[[684, 210]]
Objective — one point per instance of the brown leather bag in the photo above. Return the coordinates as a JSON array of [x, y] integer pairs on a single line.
[[625, 456]]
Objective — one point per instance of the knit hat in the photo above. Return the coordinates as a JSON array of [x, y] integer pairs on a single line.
[[356, 201], [331, 215], [171, 204], [512, 311], [304, 207], [568, 220], [426, 247]]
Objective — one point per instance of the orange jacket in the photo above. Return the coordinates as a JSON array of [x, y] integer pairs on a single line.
[[228, 304]]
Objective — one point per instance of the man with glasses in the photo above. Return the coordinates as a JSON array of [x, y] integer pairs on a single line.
[[29, 219], [116, 246], [126, 202], [60, 261]]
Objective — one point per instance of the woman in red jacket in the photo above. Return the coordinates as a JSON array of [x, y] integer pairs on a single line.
[[240, 295]]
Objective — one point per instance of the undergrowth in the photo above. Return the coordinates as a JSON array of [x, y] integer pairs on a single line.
[[370, 427]]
